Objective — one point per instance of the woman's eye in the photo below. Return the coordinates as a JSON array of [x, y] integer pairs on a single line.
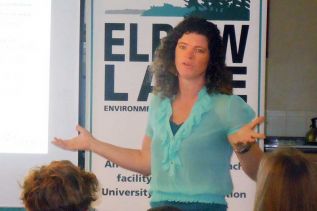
[[200, 50], [182, 46]]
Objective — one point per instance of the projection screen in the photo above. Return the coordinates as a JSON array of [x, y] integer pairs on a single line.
[[39, 83]]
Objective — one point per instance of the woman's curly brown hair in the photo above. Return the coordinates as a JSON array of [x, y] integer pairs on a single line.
[[59, 186], [218, 78]]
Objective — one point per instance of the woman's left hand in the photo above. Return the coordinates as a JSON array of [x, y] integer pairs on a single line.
[[246, 134]]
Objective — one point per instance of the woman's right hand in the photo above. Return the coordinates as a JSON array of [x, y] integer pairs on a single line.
[[80, 142]]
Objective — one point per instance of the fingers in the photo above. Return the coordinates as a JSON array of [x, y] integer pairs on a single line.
[[256, 121], [242, 142], [257, 135], [80, 129], [242, 138], [58, 142], [62, 144], [246, 137]]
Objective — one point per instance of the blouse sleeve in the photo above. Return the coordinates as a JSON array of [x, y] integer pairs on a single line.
[[239, 113], [149, 127]]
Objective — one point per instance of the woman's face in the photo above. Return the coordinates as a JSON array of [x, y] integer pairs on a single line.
[[192, 56]]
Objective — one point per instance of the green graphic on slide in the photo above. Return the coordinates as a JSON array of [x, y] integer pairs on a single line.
[[238, 10]]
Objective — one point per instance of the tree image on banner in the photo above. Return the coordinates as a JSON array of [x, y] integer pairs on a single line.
[[224, 10], [192, 3], [209, 9]]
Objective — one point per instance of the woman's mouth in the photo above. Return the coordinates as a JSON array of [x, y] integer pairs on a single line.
[[187, 64]]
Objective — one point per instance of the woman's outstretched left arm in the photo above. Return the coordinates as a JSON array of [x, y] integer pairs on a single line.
[[247, 150]]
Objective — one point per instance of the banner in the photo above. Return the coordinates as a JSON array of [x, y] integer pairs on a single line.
[[121, 39]]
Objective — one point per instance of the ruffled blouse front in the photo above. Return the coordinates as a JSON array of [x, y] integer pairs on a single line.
[[170, 143], [193, 165]]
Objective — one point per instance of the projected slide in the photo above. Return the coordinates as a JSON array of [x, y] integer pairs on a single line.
[[24, 75]]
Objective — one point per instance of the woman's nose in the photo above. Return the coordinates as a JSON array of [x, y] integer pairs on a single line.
[[190, 53]]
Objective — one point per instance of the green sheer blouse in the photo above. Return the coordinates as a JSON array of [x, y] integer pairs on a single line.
[[194, 164]]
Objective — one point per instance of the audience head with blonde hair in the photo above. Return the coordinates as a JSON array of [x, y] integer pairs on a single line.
[[59, 186], [286, 181]]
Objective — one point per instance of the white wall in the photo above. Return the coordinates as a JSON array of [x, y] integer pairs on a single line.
[[291, 67]]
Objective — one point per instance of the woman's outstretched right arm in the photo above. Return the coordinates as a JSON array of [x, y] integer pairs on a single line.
[[138, 160]]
